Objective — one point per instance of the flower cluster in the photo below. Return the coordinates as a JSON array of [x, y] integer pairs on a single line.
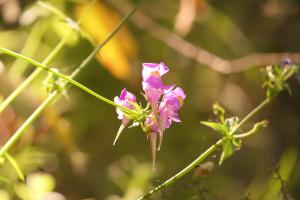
[[165, 102]]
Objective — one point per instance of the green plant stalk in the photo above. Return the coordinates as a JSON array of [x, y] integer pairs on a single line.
[[68, 20], [32, 76], [13, 139], [255, 128], [208, 152], [54, 95], [183, 172], [251, 114], [64, 77], [29, 49], [37, 72]]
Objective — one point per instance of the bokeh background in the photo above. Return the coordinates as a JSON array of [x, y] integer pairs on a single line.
[[68, 154]]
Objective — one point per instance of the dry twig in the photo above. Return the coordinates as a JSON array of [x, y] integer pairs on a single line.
[[198, 54]]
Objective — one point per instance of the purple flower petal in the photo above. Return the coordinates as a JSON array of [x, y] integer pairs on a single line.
[[168, 112], [152, 83], [125, 95], [154, 69], [125, 99]]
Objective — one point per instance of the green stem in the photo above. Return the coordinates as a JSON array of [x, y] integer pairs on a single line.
[[36, 72], [12, 140], [255, 128], [210, 150], [29, 49], [251, 114], [54, 95], [67, 78], [183, 172], [33, 75]]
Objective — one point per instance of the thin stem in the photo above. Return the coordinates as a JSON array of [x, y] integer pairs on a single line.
[[12, 140], [255, 128], [56, 94], [210, 150], [251, 114], [183, 172], [30, 47], [67, 78], [100, 46], [19, 89], [36, 72]]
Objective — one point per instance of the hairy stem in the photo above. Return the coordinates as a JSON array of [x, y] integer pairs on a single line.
[[54, 95]]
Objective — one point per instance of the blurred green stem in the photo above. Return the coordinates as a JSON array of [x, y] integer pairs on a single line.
[[183, 172], [33, 75], [54, 95], [29, 49], [208, 152], [36, 72], [67, 78], [251, 114]]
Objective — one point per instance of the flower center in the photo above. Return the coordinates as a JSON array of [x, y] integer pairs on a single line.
[[155, 73]]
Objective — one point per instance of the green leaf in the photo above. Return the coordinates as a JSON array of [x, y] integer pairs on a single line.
[[219, 111], [227, 150], [15, 166], [220, 128], [237, 142], [275, 78]]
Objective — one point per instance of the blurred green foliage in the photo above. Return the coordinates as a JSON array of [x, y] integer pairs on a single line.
[[69, 149]]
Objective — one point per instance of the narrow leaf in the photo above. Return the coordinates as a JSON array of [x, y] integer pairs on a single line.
[[15, 165], [227, 151], [220, 128]]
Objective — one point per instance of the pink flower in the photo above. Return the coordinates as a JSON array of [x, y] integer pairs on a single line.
[[165, 101], [126, 99], [154, 69], [168, 112], [170, 105], [152, 83]]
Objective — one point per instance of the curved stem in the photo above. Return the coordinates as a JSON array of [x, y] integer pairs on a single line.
[[67, 78], [255, 128], [56, 94], [188, 168], [38, 71]]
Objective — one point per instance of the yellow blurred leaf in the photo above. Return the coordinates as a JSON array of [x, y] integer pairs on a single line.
[[116, 55]]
